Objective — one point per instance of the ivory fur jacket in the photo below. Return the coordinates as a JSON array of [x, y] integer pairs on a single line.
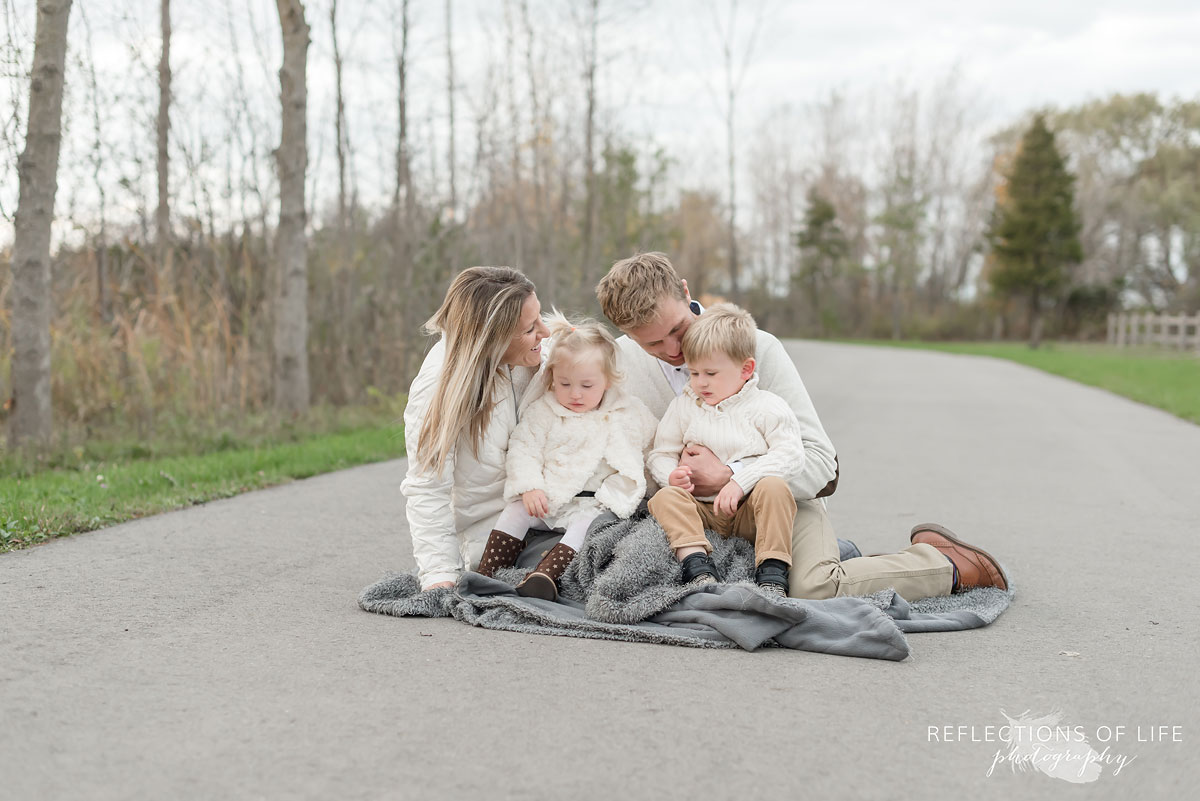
[[752, 422], [562, 452]]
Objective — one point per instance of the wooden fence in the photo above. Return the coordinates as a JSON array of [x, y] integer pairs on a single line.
[[1144, 328]]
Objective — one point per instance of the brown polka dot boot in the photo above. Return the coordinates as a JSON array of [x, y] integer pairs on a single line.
[[500, 551], [543, 581]]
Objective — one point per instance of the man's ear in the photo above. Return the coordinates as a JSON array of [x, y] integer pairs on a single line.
[[687, 296], [747, 369]]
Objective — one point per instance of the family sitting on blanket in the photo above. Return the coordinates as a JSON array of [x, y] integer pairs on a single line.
[[466, 402]]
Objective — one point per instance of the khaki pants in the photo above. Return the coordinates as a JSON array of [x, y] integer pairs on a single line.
[[764, 518], [919, 571]]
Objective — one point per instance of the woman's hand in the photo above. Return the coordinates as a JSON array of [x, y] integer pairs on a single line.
[[728, 498], [439, 585], [536, 503], [681, 477]]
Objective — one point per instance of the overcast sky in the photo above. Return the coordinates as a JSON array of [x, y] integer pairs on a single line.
[[660, 63]]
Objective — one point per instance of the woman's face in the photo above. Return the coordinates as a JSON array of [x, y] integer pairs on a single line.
[[525, 349]]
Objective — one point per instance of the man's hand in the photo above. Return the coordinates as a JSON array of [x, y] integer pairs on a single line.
[[681, 477], [728, 498], [708, 474], [536, 503]]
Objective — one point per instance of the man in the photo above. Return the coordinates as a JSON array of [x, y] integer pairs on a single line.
[[647, 300]]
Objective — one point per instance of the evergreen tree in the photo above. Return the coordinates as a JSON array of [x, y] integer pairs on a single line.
[[823, 246], [1034, 230]]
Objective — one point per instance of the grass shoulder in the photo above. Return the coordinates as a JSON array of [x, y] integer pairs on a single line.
[[1166, 379], [104, 484]]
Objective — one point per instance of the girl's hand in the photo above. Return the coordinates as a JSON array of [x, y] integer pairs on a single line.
[[439, 585], [681, 477], [536, 503], [728, 498]]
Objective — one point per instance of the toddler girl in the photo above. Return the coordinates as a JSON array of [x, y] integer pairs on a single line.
[[578, 450]]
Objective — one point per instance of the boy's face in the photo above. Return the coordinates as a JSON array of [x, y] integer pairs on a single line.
[[717, 377], [662, 337]]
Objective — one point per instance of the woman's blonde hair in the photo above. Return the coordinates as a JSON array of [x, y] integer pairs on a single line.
[[477, 321], [569, 339]]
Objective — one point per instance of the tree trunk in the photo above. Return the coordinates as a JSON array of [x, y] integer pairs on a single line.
[[1035, 318], [37, 172], [450, 102], [291, 391], [734, 294], [589, 158], [162, 217], [402, 215], [339, 124]]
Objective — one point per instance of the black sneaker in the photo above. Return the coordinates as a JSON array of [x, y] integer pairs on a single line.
[[772, 577], [699, 568]]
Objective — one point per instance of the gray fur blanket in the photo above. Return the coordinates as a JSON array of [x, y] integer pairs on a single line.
[[624, 585]]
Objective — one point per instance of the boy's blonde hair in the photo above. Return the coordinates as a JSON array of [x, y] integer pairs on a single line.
[[570, 339], [632, 290], [722, 328]]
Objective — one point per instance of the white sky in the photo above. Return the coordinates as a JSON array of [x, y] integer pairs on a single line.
[[661, 62]]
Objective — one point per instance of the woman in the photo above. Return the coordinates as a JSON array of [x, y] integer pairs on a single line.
[[462, 406]]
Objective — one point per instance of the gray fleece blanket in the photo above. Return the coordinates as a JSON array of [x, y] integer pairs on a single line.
[[624, 585]]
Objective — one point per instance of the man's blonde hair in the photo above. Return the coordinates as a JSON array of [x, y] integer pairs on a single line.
[[632, 290], [571, 340], [722, 328]]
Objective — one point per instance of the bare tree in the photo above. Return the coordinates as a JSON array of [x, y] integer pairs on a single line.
[[450, 102], [37, 170], [339, 124], [162, 217], [734, 73], [291, 392], [589, 132]]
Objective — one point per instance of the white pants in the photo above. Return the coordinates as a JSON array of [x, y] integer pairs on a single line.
[[516, 522]]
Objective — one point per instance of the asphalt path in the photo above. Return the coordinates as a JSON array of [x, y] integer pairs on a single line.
[[218, 652]]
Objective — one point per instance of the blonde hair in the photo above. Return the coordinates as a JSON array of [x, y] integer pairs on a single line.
[[722, 328], [570, 339], [477, 321], [632, 290]]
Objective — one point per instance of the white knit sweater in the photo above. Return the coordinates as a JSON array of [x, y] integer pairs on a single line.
[[777, 374], [562, 452], [749, 423]]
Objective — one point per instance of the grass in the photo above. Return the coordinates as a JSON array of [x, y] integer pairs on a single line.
[[109, 481], [1166, 379]]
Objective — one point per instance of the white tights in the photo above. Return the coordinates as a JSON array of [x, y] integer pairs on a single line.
[[516, 522]]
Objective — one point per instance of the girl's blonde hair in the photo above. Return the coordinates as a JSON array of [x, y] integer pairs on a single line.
[[477, 321], [569, 339]]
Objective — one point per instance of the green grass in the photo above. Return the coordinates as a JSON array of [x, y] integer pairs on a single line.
[[37, 505], [1168, 380]]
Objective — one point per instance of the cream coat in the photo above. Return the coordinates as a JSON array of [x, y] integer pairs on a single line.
[[561, 452], [450, 514]]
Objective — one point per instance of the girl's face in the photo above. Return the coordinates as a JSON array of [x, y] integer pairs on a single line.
[[579, 383], [525, 349]]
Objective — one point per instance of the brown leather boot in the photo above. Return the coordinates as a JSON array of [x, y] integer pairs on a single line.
[[543, 581], [500, 551], [975, 567]]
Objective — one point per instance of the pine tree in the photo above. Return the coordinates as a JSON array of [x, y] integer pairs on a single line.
[[1034, 230], [822, 248]]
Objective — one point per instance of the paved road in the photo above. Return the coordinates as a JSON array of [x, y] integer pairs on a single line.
[[218, 652]]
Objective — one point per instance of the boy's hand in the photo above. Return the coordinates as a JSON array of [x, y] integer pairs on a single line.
[[536, 503], [681, 477], [728, 498]]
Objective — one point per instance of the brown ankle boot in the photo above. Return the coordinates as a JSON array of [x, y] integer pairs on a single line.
[[973, 566], [543, 581], [500, 551]]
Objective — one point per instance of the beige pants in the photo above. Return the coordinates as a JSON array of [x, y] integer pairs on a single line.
[[919, 571], [764, 517]]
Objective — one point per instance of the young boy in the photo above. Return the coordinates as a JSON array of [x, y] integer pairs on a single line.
[[723, 409]]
